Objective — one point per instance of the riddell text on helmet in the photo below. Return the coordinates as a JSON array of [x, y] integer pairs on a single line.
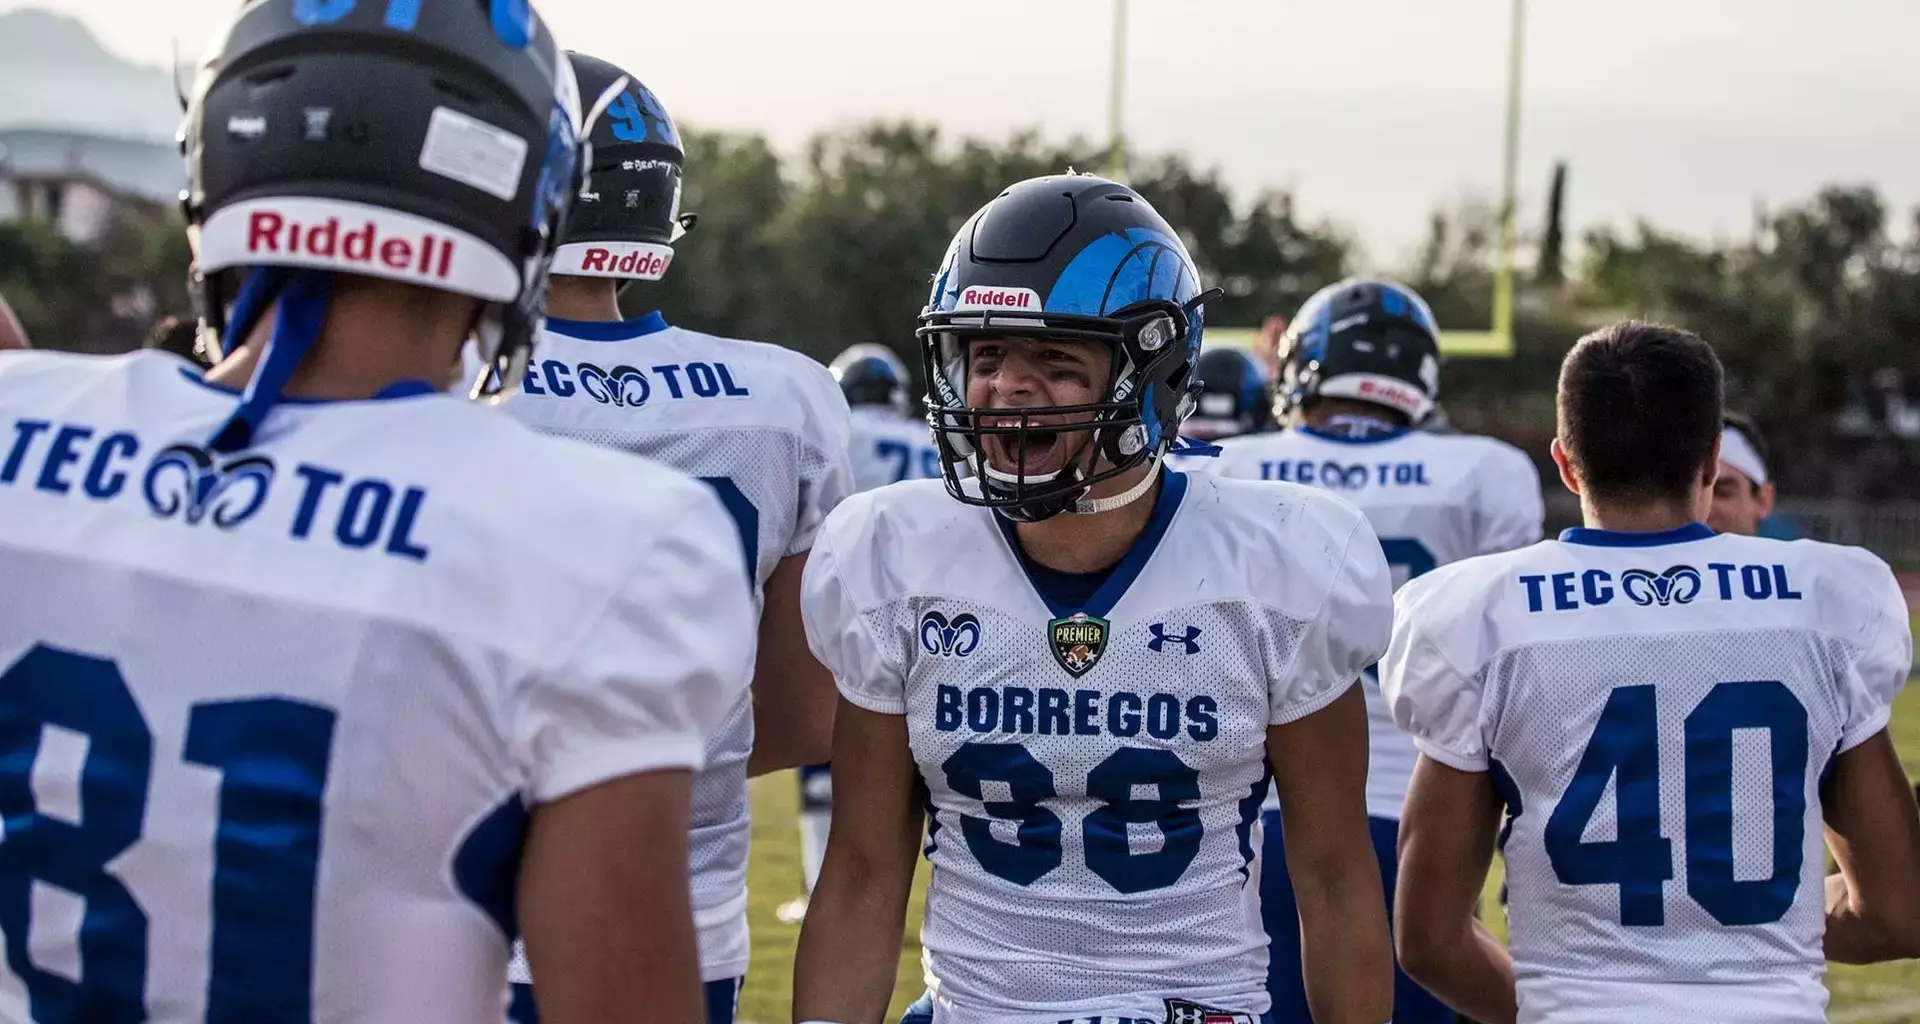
[[640, 263], [428, 256], [998, 298]]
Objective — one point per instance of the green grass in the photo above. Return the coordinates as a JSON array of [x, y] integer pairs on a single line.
[[1882, 994]]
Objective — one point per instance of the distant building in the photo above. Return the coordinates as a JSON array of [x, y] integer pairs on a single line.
[[77, 181]]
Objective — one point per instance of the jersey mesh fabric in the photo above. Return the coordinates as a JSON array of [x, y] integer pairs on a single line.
[[1069, 943], [1543, 704], [1432, 500]]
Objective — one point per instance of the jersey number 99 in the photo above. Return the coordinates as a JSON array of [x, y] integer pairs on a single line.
[[272, 754]]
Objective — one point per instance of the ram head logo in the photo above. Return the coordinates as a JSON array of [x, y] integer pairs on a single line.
[[1679, 584]]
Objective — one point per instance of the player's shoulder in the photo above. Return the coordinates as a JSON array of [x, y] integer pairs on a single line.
[[896, 514], [1482, 576], [39, 376], [1473, 452], [785, 379], [903, 538], [1278, 544]]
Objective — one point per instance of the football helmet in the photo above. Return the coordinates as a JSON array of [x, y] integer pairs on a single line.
[[871, 374], [1234, 397], [432, 144], [625, 223], [1366, 340], [1064, 258]]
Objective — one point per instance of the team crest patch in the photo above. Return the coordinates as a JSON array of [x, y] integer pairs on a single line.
[[1180, 1011], [1078, 640]]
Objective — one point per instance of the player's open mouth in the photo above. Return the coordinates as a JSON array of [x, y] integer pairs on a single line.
[[1029, 453]]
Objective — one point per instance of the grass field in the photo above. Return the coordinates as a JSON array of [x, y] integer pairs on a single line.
[[1883, 994]]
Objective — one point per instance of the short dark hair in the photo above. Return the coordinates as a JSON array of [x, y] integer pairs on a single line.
[[1640, 410]]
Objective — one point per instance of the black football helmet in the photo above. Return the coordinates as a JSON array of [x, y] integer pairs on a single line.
[[1234, 397], [435, 144], [1063, 258], [625, 223], [871, 374], [1365, 340]]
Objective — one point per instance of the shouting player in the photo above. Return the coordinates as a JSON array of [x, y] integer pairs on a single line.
[[1360, 367], [307, 670], [888, 446], [1085, 665], [1669, 717], [762, 425], [1743, 492]]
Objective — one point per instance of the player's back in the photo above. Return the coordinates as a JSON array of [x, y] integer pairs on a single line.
[[1432, 499], [887, 448], [269, 722], [766, 427], [1658, 710]]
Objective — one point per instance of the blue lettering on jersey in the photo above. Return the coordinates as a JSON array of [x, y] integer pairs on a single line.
[[1675, 585], [1348, 476], [194, 486], [1049, 711], [631, 387]]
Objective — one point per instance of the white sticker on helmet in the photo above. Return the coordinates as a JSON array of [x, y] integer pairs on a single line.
[[356, 238], [638, 261], [978, 297], [473, 152]]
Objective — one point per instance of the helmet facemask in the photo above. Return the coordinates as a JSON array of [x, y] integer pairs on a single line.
[[1132, 427]]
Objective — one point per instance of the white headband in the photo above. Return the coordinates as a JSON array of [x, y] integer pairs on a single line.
[[1736, 451]]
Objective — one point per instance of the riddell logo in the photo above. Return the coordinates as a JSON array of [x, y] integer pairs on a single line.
[[998, 298], [1387, 394], [427, 256], [637, 264]]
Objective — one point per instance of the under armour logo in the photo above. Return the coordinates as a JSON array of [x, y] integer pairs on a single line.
[[1189, 640]]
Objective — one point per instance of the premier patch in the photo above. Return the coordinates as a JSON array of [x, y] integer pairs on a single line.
[[1077, 641]]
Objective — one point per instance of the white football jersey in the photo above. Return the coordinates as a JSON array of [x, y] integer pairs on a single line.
[[888, 448], [1658, 710], [1095, 772], [271, 722], [766, 427], [1432, 499]]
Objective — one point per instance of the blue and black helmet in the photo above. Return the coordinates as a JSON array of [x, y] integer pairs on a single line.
[[1234, 397], [1063, 258], [625, 222], [1366, 340], [871, 374]]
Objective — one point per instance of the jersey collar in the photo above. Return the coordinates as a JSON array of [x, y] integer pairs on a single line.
[[1631, 539], [1173, 487], [1355, 434], [397, 389], [608, 330]]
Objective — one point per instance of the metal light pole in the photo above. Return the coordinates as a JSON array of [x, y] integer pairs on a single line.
[[1116, 101], [1503, 273]]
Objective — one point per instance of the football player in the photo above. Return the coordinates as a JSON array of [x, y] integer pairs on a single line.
[[1360, 367], [764, 426], [1078, 671], [307, 671], [888, 446], [1234, 399], [1743, 492], [1669, 717]]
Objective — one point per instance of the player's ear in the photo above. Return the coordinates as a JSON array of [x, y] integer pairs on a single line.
[[1763, 499], [1565, 462]]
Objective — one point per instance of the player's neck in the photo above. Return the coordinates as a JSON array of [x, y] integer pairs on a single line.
[[375, 335], [1326, 411], [589, 299], [1089, 543], [1639, 517]]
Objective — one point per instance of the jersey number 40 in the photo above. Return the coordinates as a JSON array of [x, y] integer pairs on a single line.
[[272, 755], [1625, 747]]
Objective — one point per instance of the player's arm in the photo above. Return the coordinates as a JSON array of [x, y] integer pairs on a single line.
[[1447, 834], [1873, 829], [793, 695], [1320, 771], [607, 737], [1873, 826], [606, 911], [850, 944]]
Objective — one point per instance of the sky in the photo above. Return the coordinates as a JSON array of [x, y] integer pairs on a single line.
[[1373, 112]]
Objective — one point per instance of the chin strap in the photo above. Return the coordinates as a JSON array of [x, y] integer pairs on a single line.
[[1095, 506], [302, 312]]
